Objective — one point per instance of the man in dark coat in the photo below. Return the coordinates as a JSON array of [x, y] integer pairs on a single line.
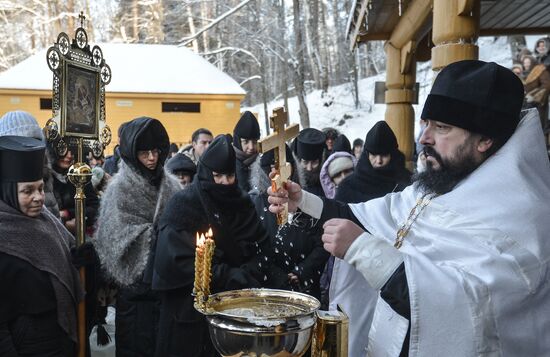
[[130, 209], [309, 147], [245, 143], [380, 170], [241, 258], [298, 254]]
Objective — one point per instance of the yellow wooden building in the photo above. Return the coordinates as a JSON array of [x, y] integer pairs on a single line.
[[165, 82]]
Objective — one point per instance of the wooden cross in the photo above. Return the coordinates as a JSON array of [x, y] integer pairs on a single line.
[[277, 141]]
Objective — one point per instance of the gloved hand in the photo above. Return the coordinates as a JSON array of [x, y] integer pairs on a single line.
[[83, 255], [240, 279]]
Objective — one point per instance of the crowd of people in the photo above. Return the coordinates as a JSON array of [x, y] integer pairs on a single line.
[[533, 68], [463, 259]]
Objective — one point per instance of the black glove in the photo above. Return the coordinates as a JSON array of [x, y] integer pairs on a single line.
[[240, 279], [83, 255]]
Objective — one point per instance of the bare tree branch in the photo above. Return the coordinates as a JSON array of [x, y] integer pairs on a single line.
[[187, 40]]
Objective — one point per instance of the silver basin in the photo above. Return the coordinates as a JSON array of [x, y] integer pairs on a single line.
[[261, 322]]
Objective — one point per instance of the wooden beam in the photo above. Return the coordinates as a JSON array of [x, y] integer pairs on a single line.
[[411, 22], [465, 7], [358, 24], [372, 36], [406, 56]]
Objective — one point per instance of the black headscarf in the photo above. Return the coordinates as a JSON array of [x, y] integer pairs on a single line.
[[247, 128], [220, 158], [342, 144], [8, 194], [380, 140], [144, 134]]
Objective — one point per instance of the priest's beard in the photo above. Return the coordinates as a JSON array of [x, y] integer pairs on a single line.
[[450, 172], [312, 177]]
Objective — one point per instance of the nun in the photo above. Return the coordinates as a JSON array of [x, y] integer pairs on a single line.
[[40, 285]]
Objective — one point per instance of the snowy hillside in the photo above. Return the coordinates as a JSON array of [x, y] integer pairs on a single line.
[[336, 109]]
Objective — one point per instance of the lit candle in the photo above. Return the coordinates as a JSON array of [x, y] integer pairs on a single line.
[[207, 270], [199, 265]]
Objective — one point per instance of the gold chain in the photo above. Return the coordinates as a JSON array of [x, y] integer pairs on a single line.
[[421, 203]]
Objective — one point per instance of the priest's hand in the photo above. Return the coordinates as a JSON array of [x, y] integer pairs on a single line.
[[338, 235], [290, 193]]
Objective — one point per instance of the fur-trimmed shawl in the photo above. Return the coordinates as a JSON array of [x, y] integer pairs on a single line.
[[129, 211]]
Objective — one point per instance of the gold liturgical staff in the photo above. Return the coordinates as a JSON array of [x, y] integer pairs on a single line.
[[80, 75], [277, 141]]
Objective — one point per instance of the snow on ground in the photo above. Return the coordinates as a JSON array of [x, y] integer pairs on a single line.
[[336, 109]]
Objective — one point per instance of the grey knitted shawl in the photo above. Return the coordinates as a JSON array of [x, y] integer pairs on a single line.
[[129, 210]]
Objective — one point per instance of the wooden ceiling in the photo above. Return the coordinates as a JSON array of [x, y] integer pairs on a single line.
[[378, 18]]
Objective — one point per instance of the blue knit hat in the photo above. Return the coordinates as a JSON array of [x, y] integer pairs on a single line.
[[20, 123]]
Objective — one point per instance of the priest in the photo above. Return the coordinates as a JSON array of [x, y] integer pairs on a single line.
[[460, 257]]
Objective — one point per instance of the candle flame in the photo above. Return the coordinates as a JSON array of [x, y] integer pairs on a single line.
[[200, 240], [209, 234]]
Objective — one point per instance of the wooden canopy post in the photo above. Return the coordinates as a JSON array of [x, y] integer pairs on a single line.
[[455, 30], [400, 81], [401, 73]]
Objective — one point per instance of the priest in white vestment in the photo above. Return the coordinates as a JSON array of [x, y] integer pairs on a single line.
[[460, 258]]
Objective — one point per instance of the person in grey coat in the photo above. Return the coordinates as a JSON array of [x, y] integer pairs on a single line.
[[126, 231]]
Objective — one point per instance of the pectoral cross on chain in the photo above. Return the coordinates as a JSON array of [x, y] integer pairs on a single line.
[[277, 141]]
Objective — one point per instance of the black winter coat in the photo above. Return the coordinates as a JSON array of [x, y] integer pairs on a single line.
[[297, 248], [64, 193], [28, 313], [240, 261], [111, 163], [136, 322]]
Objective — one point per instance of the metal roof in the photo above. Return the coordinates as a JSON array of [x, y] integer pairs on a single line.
[[376, 19]]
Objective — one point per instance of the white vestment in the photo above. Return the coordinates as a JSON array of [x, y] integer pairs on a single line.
[[350, 291], [476, 259]]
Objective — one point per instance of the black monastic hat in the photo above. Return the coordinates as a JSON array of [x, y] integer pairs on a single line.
[[310, 144], [21, 159], [480, 97]]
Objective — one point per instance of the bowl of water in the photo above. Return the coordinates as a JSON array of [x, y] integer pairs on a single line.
[[261, 322]]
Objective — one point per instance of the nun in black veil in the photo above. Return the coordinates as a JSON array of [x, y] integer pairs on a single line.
[[40, 285], [241, 259]]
